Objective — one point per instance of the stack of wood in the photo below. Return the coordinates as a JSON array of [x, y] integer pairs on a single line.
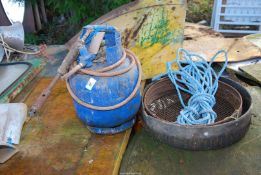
[[205, 41]]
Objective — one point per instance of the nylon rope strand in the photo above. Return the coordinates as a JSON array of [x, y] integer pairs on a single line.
[[198, 79]]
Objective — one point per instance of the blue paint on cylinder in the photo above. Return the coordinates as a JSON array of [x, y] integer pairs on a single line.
[[107, 91]]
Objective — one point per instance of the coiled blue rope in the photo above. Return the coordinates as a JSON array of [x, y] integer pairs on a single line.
[[200, 80]]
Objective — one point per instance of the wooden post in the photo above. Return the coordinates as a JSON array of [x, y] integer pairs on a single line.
[[37, 16], [42, 7]]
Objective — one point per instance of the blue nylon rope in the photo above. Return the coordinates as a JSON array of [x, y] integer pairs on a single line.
[[200, 80]]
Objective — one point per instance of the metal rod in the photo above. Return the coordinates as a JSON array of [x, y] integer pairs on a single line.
[[61, 71], [43, 97]]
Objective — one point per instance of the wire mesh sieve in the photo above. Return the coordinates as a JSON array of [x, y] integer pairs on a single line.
[[161, 101]]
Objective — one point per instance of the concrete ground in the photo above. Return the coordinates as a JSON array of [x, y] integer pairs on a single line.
[[147, 156]]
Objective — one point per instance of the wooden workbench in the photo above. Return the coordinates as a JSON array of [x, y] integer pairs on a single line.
[[56, 142]]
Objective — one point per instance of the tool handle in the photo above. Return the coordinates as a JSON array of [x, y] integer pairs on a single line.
[[93, 49], [43, 97], [61, 71]]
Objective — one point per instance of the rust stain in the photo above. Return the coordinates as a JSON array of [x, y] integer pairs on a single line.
[[56, 142], [135, 32], [162, 25], [126, 37]]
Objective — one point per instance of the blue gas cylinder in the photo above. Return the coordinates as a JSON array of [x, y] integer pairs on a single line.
[[106, 90]]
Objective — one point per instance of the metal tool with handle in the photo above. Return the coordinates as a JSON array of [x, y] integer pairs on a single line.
[[68, 60]]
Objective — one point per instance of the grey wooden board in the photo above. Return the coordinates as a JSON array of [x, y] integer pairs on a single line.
[[253, 72], [255, 39]]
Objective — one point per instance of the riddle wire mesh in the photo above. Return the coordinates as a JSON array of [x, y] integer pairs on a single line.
[[161, 101]]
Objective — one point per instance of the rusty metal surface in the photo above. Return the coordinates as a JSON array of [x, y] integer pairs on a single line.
[[161, 101], [202, 137], [67, 61], [57, 142], [39, 102], [153, 30]]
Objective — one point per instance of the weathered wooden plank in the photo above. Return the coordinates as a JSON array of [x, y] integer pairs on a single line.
[[57, 142], [206, 42], [253, 72]]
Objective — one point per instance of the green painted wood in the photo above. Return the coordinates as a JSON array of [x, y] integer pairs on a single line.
[[19, 85]]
